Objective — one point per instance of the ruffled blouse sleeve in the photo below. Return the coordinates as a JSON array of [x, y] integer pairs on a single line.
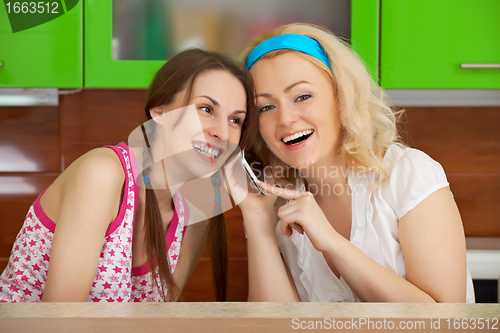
[[413, 177]]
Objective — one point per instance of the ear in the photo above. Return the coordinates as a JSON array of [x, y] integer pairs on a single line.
[[156, 111]]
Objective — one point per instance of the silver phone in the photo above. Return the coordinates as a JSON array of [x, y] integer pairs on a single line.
[[251, 174]]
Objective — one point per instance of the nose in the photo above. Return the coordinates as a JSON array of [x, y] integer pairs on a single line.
[[218, 130], [286, 114]]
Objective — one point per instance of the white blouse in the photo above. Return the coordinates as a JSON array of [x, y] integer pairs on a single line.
[[375, 217]]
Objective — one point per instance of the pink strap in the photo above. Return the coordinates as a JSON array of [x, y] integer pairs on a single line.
[[178, 202], [169, 238], [123, 208], [51, 226], [44, 219]]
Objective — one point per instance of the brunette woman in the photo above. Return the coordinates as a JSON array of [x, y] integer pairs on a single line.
[[102, 233]]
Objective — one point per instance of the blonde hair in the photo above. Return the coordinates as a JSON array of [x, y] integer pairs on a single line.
[[368, 124]]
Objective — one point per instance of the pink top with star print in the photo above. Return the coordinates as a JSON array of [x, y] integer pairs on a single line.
[[23, 280]]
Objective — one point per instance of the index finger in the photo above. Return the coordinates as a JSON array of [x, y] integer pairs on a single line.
[[285, 193]]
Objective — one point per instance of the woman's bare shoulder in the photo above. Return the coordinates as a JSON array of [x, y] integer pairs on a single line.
[[100, 164], [97, 173]]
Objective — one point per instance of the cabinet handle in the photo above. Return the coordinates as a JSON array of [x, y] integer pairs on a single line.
[[480, 66], [1, 64]]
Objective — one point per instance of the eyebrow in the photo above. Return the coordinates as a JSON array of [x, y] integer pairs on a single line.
[[217, 104], [210, 98], [286, 90]]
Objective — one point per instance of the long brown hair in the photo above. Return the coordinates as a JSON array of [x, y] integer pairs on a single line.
[[178, 74]]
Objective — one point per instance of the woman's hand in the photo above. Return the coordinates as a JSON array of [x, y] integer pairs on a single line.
[[244, 192], [268, 280], [303, 214]]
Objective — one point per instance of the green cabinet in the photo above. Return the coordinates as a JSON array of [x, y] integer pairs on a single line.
[[49, 55], [425, 42], [406, 44], [101, 71], [76, 49], [127, 41], [365, 38]]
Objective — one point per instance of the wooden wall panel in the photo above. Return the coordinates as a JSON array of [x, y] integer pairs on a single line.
[[466, 141], [97, 117], [3, 263], [477, 199], [236, 242], [235, 235], [29, 139], [199, 286], [463, 140]]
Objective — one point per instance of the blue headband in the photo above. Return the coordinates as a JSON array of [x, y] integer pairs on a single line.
[[295, 42]]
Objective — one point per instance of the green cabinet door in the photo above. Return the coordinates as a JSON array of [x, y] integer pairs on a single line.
[[425, 42], [365, 29], [101, 71], [49, 55]]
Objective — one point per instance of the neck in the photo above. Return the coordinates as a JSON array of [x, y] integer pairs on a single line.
[[164, 198], [327, 179], [164, 201], [163, 176]]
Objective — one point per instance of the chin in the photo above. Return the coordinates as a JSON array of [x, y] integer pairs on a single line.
[[208, 175]]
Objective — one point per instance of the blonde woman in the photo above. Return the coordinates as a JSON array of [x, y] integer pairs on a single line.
[[359, 216]]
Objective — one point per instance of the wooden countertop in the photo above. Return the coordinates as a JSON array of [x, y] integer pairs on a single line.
[[239, 317]]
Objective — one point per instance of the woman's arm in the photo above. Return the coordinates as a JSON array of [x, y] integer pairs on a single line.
[[90, 191], [267, 272], [433, 243], [431, 237], [269, 279]]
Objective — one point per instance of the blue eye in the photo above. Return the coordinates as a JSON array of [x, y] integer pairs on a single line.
[[302, 98], [266, 108]]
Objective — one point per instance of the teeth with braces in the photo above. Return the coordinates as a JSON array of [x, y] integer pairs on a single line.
[[206, 151], [296, 135]]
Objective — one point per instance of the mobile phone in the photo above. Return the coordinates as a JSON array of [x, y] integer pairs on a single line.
[[251, 174]]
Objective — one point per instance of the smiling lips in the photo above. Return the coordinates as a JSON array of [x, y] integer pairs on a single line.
[[297, 138], [208, 151]]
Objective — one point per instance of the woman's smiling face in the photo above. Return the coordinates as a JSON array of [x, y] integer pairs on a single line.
[[220, 100], [199, 138], [298, 119]]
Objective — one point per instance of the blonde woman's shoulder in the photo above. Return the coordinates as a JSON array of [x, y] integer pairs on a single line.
[[398, 156], [413, 176]]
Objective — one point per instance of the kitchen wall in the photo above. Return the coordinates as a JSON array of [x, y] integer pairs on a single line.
[[37, 143]]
